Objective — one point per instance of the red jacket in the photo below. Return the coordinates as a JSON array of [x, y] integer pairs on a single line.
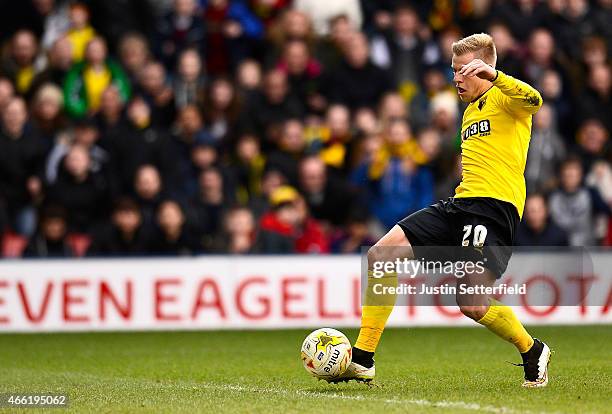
[[310, 238]]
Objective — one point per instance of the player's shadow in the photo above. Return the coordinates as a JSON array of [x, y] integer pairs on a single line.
[[347, 389]]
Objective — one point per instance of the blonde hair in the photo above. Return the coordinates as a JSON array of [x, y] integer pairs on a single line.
[[481, 44], [51, 92]]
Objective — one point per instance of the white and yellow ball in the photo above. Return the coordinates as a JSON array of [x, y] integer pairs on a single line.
[[326, 353]]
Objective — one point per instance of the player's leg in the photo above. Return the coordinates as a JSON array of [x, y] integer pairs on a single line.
[[503, 322], [376, 309], [427, 227], [495, 316]]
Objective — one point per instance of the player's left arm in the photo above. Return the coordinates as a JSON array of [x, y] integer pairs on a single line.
[[518, 96]]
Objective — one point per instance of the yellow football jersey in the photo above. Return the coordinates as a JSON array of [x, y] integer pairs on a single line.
[[495, 135]]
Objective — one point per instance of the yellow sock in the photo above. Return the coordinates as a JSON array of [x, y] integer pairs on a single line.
[[501, 320], [375, 311]]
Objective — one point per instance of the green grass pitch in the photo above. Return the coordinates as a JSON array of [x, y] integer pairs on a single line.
[[420, 370]]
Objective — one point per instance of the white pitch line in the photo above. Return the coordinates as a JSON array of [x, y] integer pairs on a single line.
[[191, 384], [424, 403]]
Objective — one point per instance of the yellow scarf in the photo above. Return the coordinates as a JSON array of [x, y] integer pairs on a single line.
[[95, 84], [24, 79], [409, 149], [78, 39]]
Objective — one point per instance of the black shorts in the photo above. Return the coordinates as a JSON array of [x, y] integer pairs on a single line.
[[476, 228]]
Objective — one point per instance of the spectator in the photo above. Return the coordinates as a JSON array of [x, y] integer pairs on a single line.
[[50, 239], [594, 51], [55, 15], [392, 107], [239, 232], [248, 79], [508, 57], [596, 100], [270, 181], [600, 178], [232, 32], [248, 168], [356, 235], [148, 192], [327, 200], [332, 140], [546, 152], [601, 16], [177, 31], [445, 46], [541, 57], [439, 155], [205, 156], [287, 227], [190, 83], [19, 64], [357, 82], [268, 10], [321, 12], [87, 81], [210, 205], [522, 17], [21, 161], [579, 25], [537, 228], [139, 143], [377, 14], [157, 92], [291, 148], [292, 25], [272, 107], [395, 182], [365, 122], [304, 74], [47, 113], [405, 49], [111, 114], [434, 83], [593, 145], [554, 95], [80, 31], [222, 110], [83, 193], [444, 117], [575, 208], [85, 134], [189, 139], [134, 54], [125, 236], [59, 62], [331, 47], [174, 237], [7, 92], [116, 18]]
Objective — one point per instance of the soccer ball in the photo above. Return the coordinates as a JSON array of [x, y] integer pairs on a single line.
[[326, 353]]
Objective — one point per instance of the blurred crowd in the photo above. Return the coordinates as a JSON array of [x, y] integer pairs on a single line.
[[172, 127]]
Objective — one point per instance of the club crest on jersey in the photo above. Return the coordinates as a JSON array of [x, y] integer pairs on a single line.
[[481, 103], [480, 128]]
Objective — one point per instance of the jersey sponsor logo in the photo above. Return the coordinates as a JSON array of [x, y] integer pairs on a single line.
[[480, 128]]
